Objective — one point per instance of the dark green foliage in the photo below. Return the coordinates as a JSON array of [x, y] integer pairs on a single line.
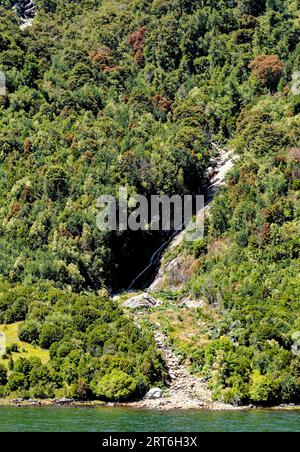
[[30, 332], [119, 104], [251, 7], [3, 375], [50, 333], [56, 183], [90, 341], [253, 279], [107, 93]]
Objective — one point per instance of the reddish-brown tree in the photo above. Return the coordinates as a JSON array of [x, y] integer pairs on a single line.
[[162, 103], [136, 41], [268, 70]]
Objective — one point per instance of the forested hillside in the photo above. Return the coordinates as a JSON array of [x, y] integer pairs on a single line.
[[248, 264], [106, 93]]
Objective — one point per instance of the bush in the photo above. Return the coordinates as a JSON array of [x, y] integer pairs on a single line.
[[3, 391], [18, 381], [29, 332], [263, 389], [80, 390], [50, 333], [252, 7], [199, 248], [231, 396], [296, 105], [13, 348], [290, 388], [17, 312], [41, 391], [39, 373], [268, 69], [116, 387]]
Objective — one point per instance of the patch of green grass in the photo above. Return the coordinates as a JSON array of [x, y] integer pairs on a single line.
[[25, 350]]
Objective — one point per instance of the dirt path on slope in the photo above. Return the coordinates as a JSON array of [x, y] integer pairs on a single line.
[[183, 391]]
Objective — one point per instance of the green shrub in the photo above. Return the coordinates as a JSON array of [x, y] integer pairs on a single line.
[[116, 386], [50, 333], [41, 391], [290, 388], [18, 381], [263, 388], [29, 332], [80, 390], [231, 396]]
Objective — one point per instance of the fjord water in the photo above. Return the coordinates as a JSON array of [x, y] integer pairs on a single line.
[[62, 419]]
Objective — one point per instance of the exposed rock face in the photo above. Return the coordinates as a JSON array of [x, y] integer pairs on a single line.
[[176, 272], [154, 393], [296, 345], [26, 24], [185, 391], [143, 301]]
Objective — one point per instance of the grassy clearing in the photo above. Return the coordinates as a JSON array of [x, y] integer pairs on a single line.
[[25, 350], [188, 329], [182, 325]]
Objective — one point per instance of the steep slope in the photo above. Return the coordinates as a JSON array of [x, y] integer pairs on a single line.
[[175, 264], [245, 271], [112, 105], [104, 94]]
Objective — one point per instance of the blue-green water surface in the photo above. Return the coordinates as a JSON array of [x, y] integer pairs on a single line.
[[67, 419]]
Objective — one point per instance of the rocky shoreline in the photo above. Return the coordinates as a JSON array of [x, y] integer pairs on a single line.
[[164, 404]]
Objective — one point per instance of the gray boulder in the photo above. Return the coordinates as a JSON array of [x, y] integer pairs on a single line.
[[296, 345], [154, 393], [143, 301]]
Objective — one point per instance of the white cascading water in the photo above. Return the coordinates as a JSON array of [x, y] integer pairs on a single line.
[[224, 164], [27, 12]]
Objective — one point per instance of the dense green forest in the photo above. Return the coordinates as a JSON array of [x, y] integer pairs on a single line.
[[106, 93], [249, 264]]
